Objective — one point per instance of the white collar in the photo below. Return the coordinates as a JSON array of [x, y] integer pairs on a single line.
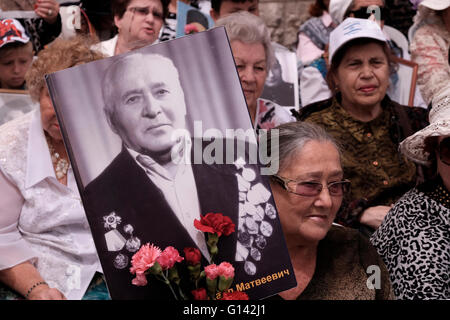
[[39, 162]]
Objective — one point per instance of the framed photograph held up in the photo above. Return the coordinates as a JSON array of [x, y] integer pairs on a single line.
[[408, 69], [158, 138]]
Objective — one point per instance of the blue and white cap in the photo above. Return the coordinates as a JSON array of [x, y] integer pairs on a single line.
[[353, 28]]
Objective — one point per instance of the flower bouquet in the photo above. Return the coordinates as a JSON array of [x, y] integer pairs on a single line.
[[211, 283]]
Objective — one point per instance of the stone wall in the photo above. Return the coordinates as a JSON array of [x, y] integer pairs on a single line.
[[283, 18]]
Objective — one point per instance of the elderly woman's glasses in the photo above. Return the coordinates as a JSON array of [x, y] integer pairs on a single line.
[[144, 11], [312, 189], [444, 151]]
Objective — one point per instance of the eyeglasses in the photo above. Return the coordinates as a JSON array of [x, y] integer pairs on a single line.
[[444, 151], [312, 189], [365, 12], [144, 11]]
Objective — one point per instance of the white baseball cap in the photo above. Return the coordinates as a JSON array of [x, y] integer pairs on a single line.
[[12, 31], [353, 28], [435, 4]]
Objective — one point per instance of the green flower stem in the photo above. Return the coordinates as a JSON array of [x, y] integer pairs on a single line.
[[166, 280]]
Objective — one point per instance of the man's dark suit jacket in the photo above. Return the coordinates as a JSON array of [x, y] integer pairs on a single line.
[[124, 188]]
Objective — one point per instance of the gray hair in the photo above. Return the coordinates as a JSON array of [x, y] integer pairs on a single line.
[[292, 137], [248, 28], [110, 76]]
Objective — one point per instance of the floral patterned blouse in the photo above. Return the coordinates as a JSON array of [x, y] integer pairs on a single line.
[[429, 49], [269, 114], [379, 174]]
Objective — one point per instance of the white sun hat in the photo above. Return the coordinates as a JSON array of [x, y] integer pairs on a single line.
[[338, 8], [413, 147], [353, 28], [435, 4]]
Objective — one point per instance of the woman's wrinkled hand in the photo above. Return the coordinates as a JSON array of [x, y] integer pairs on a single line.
[[374, 216], [47, 10], [44, 292]]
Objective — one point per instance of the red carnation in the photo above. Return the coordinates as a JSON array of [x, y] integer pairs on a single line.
[[193, 256], [235, 295], [199, 294], [215, 223]]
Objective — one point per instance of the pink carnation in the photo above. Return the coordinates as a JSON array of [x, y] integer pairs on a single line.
[[212, 271], [140, 280], [144, 259], [169, 257], [226, 270]]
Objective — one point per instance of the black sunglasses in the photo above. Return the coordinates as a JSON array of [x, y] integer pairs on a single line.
[[365, 12], [444, 151]]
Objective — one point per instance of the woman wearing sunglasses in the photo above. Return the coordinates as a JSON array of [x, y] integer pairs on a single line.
[[330, 261], [414, 239]]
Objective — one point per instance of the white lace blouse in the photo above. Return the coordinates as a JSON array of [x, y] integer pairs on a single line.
[[41, 220]]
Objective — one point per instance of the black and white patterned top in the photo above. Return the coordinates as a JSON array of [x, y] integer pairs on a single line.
[[169, 29], [414, 242]]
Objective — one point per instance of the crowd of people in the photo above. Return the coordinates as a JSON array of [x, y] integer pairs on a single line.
[[363, 177]]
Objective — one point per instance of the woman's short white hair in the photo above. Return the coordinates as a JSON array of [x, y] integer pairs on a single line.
[[248, 28]]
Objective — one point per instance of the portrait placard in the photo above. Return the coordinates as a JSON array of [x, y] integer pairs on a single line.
[[160, 137], [191, 19], [281, 85], [407, 70]]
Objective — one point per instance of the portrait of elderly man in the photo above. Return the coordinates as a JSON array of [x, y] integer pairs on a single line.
[[144, 196]]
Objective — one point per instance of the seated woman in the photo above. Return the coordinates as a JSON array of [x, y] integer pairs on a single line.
[[46, 247], [414, 239], [253, 54], [138, 23], [367, 124], [430, 42], [330, 262]]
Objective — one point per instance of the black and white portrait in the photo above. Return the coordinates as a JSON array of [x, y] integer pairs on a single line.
[[281, 85], [148, 137]]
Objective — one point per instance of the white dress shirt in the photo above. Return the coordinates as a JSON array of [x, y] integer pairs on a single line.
[[107, 47], [180, 193], [42, 220]]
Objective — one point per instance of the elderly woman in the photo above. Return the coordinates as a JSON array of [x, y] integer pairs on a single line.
[[313, 85], [414, 239], [138, 23], [46, 248], [366, 122], [253, 54], [430, 42], [330, 262]]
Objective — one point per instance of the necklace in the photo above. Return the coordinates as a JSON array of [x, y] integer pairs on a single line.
[[61, 165]]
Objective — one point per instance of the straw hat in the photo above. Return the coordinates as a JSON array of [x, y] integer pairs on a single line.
[[413, 147]]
